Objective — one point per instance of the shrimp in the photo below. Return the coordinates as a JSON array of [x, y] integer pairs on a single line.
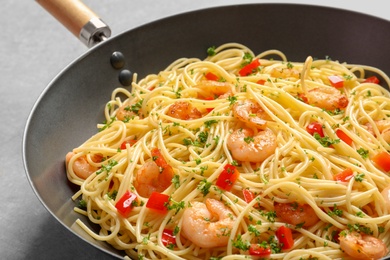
[[129, 110], [296, 214], [154, 175], [215, 88], [81, 167], [150, 179], [183, 110], [328, 98], [250, 112], [386, 195], [208, 224], [383, 128], [249, 147], [361, 246]]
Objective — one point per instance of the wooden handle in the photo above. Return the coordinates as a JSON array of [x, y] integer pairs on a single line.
[[73, 14]]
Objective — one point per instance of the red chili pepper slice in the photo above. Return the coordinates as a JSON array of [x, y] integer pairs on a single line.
[[261, 82], [315, 127], [344, 137], [284, 235], [382, 159], [249, 68], [168, 238], [258, 250], [248, 195], [130, 142], [158, 202], [372, 79], [336, 81], [211, 76], [227, 177], [126, 203], [344, 176]]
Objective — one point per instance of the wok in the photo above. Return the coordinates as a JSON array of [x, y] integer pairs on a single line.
[[67, 111]]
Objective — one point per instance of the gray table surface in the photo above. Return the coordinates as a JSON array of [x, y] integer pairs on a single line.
[[34, 47]]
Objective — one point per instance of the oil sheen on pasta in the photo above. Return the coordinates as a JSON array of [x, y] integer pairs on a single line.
[[242, 155]]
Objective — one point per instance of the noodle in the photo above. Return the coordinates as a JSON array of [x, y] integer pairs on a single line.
[[195, 146]]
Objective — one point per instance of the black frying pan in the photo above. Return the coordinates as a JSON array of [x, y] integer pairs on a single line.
[[68, 110]]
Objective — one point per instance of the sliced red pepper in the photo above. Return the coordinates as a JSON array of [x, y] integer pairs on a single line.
[[336, 81], [211, 76], [227, 177], [261, 82], [344, 176], [248, 195], [126, 203], [372, 79], [258, 250], [344, 137], [130, 142], [382, 159], [315, 127], [168, 238], [284, 235], [249, 68], [158, 202]]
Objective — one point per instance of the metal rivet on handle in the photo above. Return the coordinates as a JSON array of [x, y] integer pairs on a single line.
[[125, 77], [117, 60]]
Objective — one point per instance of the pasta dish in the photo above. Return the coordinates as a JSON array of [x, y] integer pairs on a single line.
[[241, 155]]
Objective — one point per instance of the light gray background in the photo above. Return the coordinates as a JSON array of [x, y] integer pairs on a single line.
[[34, 47]]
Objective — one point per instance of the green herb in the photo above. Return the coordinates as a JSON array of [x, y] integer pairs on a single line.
[[209, 123], [359, 177], [232, 99], [240, 244], [176, 181], [274, 245], [175, 205], [107, 167], [248, 139], [107, 125], [211, 51], [247, 59], [252, 229], [325, 141], [112, 195], [270, 215], [204, 186], [335, 211], [82, 204], [363, 153]]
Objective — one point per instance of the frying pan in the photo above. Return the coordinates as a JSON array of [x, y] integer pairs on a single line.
[[67, 111]]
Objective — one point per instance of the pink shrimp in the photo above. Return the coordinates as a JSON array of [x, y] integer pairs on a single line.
[[362, 246], [327, 98], [296, 214], [212, 89], [154, 175], [81, 167], [250, 112], [208, 224], [383, 127], [183, 110], [249, 147]]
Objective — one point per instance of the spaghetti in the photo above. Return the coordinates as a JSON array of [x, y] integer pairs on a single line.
[[238, 155]]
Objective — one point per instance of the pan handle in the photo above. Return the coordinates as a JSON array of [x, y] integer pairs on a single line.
[[78, 19]]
